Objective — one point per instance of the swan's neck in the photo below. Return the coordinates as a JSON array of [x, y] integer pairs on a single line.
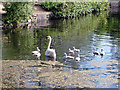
[[49, 43]]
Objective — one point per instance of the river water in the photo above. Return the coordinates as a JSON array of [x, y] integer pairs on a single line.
[[100, 30]]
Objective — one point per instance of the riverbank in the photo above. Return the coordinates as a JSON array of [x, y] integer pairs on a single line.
[[49, 74], [40, 17]]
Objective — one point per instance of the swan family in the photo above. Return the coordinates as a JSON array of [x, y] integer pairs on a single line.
[[73, 53], [102, 53], [52, 54], [67, 57], [48, 53]]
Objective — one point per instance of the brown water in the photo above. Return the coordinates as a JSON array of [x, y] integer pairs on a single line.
[[85, 33]]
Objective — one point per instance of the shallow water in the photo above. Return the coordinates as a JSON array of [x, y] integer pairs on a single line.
[[85, 33]]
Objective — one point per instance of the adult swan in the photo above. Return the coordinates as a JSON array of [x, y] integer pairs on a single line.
[[50, 52]]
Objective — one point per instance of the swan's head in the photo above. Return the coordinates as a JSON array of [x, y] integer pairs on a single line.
[[48, 37]]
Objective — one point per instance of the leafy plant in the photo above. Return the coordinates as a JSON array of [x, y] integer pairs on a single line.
[[73, 9], [17, 12]]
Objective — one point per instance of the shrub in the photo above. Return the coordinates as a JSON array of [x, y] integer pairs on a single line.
[[17, 12], [73, 9]]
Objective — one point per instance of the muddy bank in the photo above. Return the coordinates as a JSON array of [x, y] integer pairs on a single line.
[[49, 74]]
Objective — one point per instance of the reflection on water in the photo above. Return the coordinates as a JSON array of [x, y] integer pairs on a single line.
[[85, 33], [88, 32]]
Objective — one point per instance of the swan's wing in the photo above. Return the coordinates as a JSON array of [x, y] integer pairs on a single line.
[[47, 53], [53, 53], [36, 53], [50, 52]]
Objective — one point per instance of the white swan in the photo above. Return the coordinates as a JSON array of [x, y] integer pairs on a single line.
[[50, 52], [95, 52], [37, 53], [77, 58], [67, 57], [76, 50], [71, 51], [102, 53]]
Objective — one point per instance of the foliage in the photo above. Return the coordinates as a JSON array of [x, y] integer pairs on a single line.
[[17, 12], [72, 9]]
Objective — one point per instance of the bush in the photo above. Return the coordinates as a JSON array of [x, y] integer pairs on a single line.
[[73, 9], [17, 12]]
